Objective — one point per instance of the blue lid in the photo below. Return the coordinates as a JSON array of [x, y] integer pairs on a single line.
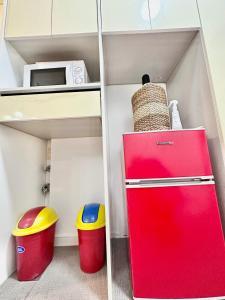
[[90, 213]]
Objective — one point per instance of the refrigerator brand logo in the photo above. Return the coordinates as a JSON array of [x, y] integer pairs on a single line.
[[20, 249]]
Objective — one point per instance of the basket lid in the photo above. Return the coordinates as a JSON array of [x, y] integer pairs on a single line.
[[91, 217], [35, 220]]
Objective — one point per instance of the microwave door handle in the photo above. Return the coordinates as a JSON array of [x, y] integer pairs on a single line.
[[69, 75], [27, 76]]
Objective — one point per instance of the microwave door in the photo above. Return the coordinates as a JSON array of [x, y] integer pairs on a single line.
[[48, 77]]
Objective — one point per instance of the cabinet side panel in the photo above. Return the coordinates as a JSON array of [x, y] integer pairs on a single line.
[[213, 27], [22, 160], [190, 85]]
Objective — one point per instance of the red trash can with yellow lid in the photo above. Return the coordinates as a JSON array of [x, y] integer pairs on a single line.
[[34, 234], [91, 235]]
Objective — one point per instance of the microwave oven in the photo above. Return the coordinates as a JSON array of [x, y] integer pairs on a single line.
[[69, 73]]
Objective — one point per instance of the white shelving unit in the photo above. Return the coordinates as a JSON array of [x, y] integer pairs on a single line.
[[59, 128], [93, 86], [62, 47], [115, 62], [129, 56], [178, 60], [37, 129], [55, 114]]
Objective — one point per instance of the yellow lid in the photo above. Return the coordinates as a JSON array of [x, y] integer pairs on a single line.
[[35, 220], [89, 211]]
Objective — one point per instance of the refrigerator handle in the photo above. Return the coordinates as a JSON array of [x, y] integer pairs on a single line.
[[165, 143], [168, 184]]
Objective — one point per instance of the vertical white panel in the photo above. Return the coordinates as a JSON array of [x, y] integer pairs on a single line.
[[11, 70], [105, 148], [1, 16], [22, 159], [213, 27], [76, 179], [189, 84]]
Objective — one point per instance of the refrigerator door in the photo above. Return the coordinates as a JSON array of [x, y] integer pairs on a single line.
[[166, 154], [177, 246]]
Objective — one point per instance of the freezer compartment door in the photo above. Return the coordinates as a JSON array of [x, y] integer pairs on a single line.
[[176, 242], [166, 154]]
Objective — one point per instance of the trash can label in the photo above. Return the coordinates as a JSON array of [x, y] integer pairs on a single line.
[[20, 249]]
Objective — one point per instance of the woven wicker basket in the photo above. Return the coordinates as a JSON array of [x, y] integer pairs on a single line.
[[150, 108]]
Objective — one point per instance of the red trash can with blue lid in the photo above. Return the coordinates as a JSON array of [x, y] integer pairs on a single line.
[[91, 235], [35, 232]]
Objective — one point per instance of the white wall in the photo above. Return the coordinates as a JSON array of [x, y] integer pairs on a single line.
[[120, 120], [213, 28], [22, 158], [76, 179], [189, 84], [118, 98], [21, 161], [11, 71], [1, 16]]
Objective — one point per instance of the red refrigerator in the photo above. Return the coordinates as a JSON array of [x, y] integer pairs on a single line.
[[177, 248]]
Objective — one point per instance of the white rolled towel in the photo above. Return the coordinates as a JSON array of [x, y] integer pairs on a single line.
[[176, 122]]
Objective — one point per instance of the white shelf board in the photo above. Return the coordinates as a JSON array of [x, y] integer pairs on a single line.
[[59, 128], [57, 48], [128, 56], [50, 89]]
